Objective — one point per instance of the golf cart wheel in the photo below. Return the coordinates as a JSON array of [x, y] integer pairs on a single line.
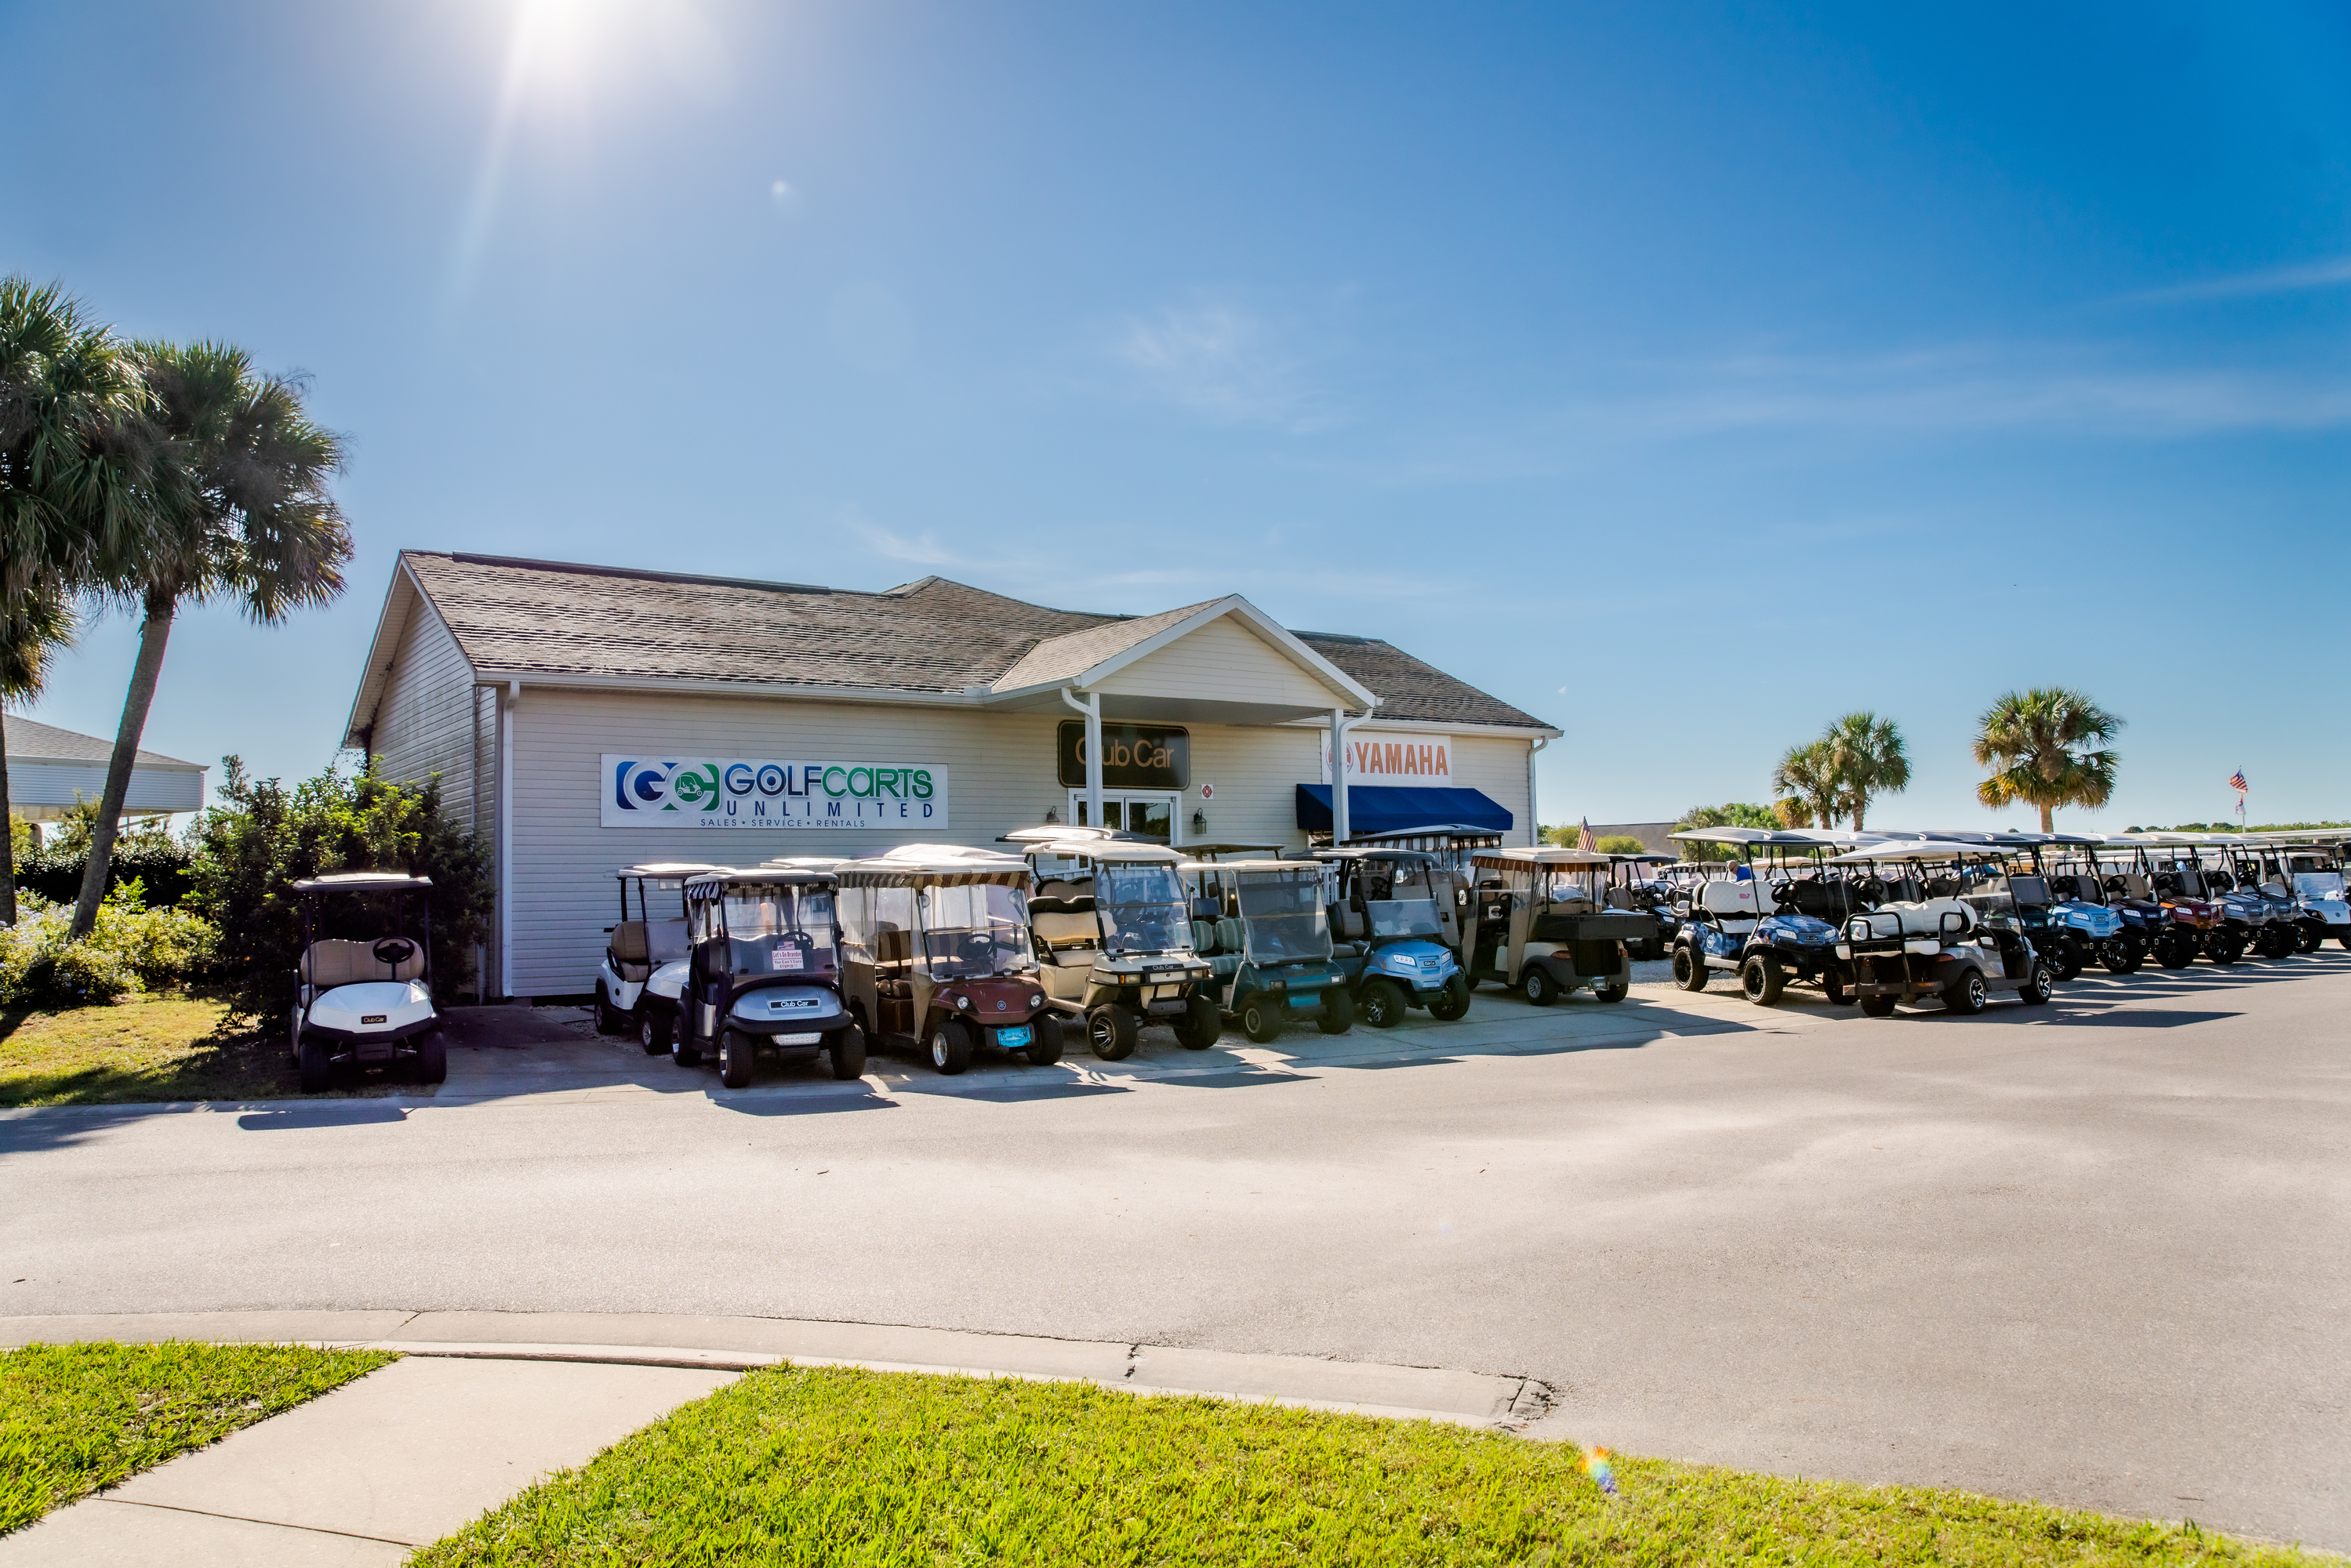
[[735, 1053], [1968, 996], [2224, 952], [652, 1032], [1383, 1004], [1613, 991], [681, 1053], [1261, 1017], [294, 1037], [1762, 980], [608, 1018], [2065, 963], [2312, 937], [2041, 988], [1834, 988], [1537, 986], [1878, 1007], [2174, 953], [1202, 1025], [846, 1050], [1689, 969], [1110, 1030], [318, 1073], [432, 1057], [1453, 1001], [951, 1045], [1338, 1010], [2119, 956], [1045, 1043]]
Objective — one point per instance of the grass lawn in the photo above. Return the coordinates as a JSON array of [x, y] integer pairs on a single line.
[[142, 1049], [77, 1417], [834, 1466]]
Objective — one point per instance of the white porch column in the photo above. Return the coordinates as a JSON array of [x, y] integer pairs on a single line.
[[1338, 777], [1092, 708], [1534, 818]]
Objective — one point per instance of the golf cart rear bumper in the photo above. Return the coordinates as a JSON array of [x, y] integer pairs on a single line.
[[370, 1044]]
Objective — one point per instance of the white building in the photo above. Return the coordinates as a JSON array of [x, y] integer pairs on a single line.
[[584, 718], [50, 771]]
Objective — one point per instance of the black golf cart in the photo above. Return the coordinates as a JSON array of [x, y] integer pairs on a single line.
[[763, 973]]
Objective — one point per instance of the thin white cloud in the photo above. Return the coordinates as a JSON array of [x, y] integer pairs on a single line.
[[1221, 361], [2332, 273]]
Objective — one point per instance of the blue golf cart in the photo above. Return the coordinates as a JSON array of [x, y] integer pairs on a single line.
[[1397, 917]]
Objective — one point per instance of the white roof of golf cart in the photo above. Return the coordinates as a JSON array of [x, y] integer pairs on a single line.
[[942, 865], [1908, 850], [761, 876], [669, 871], [1292, 868], [1520, 858], [1103, 848], [361, 881]]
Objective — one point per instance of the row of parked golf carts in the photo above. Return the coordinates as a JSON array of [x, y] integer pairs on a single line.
[[1883, 919], [950, 952]]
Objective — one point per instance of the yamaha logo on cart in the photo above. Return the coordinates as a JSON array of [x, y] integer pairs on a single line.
[[746, 792]]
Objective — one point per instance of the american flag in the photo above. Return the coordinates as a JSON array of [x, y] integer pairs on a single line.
[[1583, 840], [2237, 780]]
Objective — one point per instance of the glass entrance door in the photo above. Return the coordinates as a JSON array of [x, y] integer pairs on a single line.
[[1153, 816]]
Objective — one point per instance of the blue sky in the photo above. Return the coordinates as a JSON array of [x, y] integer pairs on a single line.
[[1685, 374]]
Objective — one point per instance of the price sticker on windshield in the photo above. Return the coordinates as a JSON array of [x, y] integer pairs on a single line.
[[788, 956]]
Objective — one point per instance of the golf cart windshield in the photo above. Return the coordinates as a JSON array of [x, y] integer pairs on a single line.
[[2318, 883], [780, 929], [974, 931], [1398, 898], [1140, 906], [1283, 915]]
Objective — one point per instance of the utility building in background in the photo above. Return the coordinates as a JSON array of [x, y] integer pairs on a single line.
[[51, 770]]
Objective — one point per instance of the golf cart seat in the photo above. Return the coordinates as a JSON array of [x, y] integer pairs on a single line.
[[1730, 901], [1059, 927], [1924, 917], [631, 959], [336, 962], [1821, 900], [1231, 935]]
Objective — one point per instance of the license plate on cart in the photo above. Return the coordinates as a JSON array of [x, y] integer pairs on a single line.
[[375, 1017], [1009, 1039]]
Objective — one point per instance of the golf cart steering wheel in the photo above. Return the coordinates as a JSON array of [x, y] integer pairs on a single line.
[[2114, 884], [799, 939], [393, 951]]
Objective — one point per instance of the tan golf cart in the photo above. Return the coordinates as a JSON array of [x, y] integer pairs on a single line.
[[1114, 938], [1541, 929]]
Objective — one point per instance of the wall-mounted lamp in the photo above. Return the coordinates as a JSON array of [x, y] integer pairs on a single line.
[[1052, 814], [1199, 821]]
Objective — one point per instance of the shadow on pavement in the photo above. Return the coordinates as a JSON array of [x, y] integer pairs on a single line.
[[1240, 1078], [1013, 1095], [347, 1113], [810, 1106]]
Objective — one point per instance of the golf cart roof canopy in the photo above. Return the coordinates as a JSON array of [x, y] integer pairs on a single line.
[[712, 884], [1645, 859], [363, 882], [1115, 847], [1209, 852], [1805, 836], [1056, 833], [1461, 832], [911, 868], [1359, 852], [1908, 850], [667, 871], [1284, 868], [1521, 859]]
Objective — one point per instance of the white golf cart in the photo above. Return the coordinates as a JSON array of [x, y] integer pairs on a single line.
[[363, 997], [1919, 935], [646, 952]]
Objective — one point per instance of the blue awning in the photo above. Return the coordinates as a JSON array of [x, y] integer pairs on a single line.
[[1392, 807]]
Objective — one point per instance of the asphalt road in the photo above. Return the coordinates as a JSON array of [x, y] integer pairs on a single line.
[[2092, 1253]]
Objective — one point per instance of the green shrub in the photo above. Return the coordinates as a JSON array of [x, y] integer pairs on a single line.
[[132, 948], [145, 853], [1621, 844], [1733, 815], [250, 848]]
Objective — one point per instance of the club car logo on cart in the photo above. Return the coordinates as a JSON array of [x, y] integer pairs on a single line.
[[748, 792]]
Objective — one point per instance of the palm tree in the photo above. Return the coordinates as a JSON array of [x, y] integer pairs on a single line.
[[1808, 774], [70, 505], [238, 481], [2038, 743], [1868, 758]]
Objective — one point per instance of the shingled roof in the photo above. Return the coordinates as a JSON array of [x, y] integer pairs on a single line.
[[933, 636]]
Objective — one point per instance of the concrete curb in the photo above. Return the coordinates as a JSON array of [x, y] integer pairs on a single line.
[[1494, 1402]]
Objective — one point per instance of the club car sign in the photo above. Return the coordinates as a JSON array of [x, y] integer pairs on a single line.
[[756, 792]]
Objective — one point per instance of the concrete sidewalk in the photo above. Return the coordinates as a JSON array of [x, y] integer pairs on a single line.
[[488, 1401]]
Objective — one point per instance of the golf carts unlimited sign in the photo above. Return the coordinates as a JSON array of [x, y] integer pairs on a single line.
[[758, 793]]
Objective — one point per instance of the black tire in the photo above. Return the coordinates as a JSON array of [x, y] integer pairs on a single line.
[[737, 1059], [950, 1046], [1262, 1017], [1453, 1002], [2121, 956], [1834, 988], [1110, 1030], [2174, 953], [432, 1057], [1878, 1007], [2040, 988], [846, 1051], [2064, 961], [1536, 985], [2224, 951], [1202, 1025], [685, 1055], [1615, 990], [653, 1027], [1967, 996], [1762, 979], [1338, 1010], [318, 1073], [1383, 1004], [1689, 969], [2310, 939], [610, 1020], [1044, 1047]]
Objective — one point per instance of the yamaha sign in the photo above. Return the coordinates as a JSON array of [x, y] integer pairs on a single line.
[[753, 792]]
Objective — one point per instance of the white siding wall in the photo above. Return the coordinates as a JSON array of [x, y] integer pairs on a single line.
[[33, 784], [1226, 660], [423, 722]]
